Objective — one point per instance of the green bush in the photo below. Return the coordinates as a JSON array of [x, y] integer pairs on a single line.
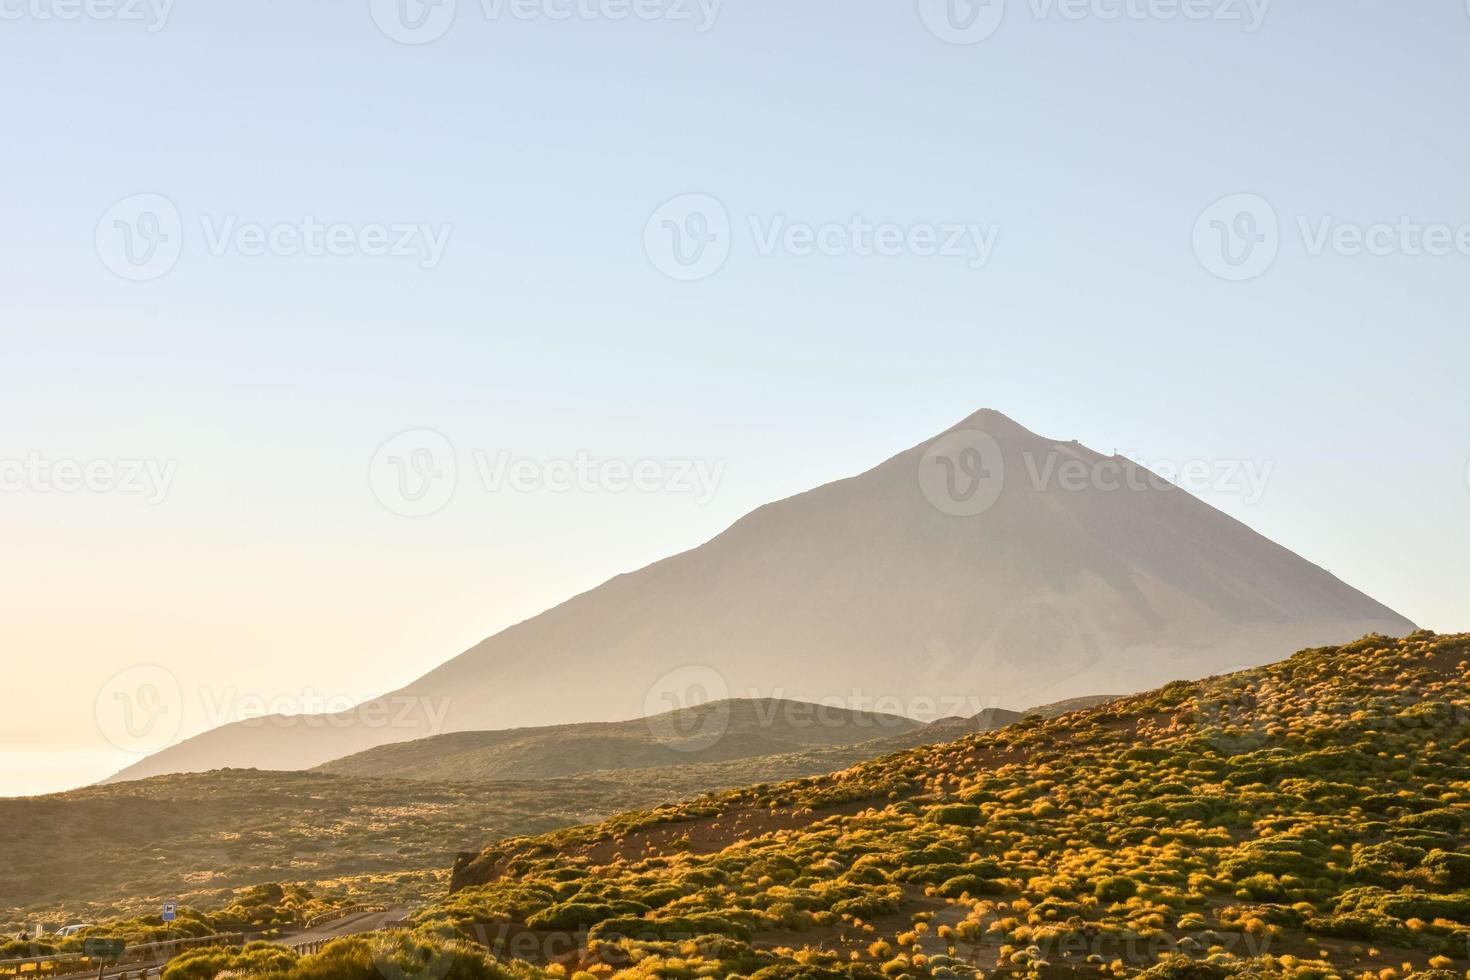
[[1117, 888], [570, 915], [1358, 925], [1278, 856], [1418, 905], [884, 901], [397, 957], [1378, 861], [973, 884], [1262, 887], [675, 929], [1448, 868], [206, 963], [657, 898], [1176, 966], [955, 815], [1446, 820]]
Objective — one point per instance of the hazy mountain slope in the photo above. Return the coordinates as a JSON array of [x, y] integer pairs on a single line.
[[1058, 708], [772, 739], [865, 591], [715, 732], [987, 720]]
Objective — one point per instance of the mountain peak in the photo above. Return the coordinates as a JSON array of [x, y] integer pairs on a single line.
[[994, 422]]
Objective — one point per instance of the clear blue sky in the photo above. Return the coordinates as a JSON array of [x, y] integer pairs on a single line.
[[1091, 147]]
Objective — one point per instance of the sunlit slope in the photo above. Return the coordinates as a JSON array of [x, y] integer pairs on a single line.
[[1316, 812]]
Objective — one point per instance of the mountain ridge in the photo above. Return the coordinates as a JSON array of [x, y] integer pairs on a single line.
[[879, 591]]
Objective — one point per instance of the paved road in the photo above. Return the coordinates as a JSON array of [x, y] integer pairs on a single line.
[[347, 926]]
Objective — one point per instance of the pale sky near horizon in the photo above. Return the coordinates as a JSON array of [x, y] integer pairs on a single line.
[[528, 168]]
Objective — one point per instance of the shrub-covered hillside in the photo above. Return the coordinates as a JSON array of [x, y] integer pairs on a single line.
[[122, 848], [1306, 819]]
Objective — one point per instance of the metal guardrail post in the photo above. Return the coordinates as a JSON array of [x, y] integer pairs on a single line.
[[147, 955]]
